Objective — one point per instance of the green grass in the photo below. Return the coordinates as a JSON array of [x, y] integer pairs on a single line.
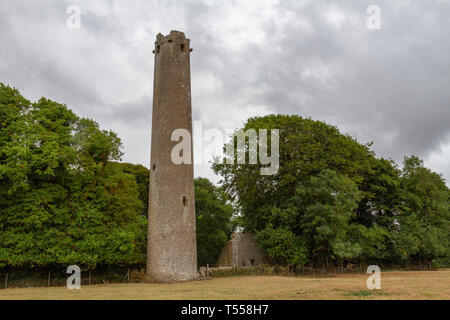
[[366, 293]]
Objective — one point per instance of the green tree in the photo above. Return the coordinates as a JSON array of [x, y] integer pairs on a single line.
[[330, 203], [213, 215], [306, 148], [330, 192], [142, 176], [14, 142], [61, 202], [424, 220], [283, 246]]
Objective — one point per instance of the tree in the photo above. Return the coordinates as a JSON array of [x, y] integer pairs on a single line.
[[213, 215], [61, 202], [332, 196], [306, 148], [330, 203], [424, 219], [142, 176], [283, 246]]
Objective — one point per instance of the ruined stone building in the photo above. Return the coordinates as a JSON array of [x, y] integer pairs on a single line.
[[242, 250]]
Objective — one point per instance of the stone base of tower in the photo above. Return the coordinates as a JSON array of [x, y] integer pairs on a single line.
[[168, 278]]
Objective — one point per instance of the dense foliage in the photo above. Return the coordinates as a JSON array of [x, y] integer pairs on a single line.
[[61, 200], [214, 226], [333, 202], [64, 198], [213, 213]]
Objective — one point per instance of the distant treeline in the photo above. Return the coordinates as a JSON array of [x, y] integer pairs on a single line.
[[64, 198], [333, 202]]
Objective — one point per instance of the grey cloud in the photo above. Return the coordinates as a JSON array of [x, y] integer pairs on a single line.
[[389, 86]]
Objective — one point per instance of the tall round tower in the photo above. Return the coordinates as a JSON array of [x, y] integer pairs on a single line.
[[172, 249]]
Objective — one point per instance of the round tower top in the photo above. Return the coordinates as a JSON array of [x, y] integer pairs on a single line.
[[174, 36]]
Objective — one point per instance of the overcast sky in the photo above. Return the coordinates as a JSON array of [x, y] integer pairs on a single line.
[[313, 58]]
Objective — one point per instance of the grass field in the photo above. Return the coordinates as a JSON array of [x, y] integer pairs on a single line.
[[394, 285]]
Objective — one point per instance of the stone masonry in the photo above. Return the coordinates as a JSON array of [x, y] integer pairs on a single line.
[[242, 251], [171, 251]]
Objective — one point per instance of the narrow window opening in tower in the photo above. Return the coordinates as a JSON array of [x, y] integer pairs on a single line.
[[185, 201], [154, 167], [157, 48], [182, 47]]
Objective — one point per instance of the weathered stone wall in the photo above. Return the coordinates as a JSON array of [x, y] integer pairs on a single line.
[[172, 252], [242, 250], [226, 255], [249, 252]]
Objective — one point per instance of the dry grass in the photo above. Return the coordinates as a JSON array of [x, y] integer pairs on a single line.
[[395, 285]]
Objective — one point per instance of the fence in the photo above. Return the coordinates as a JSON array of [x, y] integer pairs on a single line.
[[264, 269], [20, 278], [17, 278]]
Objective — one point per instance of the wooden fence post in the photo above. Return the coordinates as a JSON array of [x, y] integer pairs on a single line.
[[48, 282], [6, 281]]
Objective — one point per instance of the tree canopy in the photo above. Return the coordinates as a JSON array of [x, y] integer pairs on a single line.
[[213, 216], [61, 200], [333, 201]]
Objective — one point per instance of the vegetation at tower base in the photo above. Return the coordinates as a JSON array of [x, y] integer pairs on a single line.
[[213, 215], [333, 202], [214, 224]]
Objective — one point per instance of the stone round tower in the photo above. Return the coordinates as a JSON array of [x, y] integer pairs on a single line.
[[172, 249]]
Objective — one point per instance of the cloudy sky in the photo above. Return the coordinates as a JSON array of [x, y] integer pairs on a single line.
[[312, 58]]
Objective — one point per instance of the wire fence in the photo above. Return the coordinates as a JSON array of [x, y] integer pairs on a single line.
[[53, 277], [57, 276]]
